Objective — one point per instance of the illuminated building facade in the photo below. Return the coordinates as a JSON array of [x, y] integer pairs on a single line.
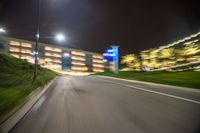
[[54, 57], [180, 55]]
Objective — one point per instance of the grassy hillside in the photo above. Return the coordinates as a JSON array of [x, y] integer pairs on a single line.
[[185, 78], [16, 81]]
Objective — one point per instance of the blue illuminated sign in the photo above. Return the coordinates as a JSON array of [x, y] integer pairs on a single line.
[[109, 54]]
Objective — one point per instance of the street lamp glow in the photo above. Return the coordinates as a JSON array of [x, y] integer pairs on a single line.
[[38, 35], [66, 54], [2, 30], [60, 37]]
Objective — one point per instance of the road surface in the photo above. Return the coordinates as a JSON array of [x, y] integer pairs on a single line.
[[100, 105]]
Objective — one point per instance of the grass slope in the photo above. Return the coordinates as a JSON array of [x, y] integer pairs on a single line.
[[185, 79], [16, 81]]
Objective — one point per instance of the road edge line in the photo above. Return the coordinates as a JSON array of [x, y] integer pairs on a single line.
[[151, 83], [11, 121], [155, 92]]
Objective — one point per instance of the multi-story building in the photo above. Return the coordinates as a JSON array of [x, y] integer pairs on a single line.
[[54, 57], [182, 54]]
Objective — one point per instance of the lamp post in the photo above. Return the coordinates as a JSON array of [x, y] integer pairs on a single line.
[[58, 37], [37, 39]]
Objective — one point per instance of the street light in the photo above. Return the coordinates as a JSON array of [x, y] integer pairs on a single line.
[[60, 37], [37, 39], [2, 30]]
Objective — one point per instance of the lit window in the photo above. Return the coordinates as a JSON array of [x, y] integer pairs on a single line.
[[25, 57], [97, 65], [56, 61], [53, 60], [53, 66], [25, 51], [78, 58], [53, 49], [49, 48], [78, 63], [24, 44], [14, 43], [48, 59], [98, 61], [97, 70], [12, 49], [48, 54], [98, 56], [52, 54], [79, 68], [78, 53], [76, 68], [57, 55]]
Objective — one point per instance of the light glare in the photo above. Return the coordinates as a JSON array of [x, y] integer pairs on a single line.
[[60, 37], [2, 30]]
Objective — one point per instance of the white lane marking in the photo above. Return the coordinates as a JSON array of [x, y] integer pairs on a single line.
[[154, 84], [151, 91]]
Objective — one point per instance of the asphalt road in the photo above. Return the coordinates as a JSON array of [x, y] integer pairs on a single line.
[[99, 105]]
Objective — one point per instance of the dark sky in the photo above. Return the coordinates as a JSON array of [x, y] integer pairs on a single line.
[[96, 24]]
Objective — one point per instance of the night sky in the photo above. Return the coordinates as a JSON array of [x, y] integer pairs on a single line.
[[94, 25]]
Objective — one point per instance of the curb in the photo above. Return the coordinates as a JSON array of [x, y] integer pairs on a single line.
[[150, 83], [16, 116]]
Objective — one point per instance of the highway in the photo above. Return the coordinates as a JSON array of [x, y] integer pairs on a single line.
[[100, 105]]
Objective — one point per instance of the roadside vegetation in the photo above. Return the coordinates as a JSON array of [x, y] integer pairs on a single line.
[[16, 81], [176, 58], [184, 78]]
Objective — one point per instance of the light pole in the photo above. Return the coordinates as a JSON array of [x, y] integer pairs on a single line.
[[37, 39], [59, 37]]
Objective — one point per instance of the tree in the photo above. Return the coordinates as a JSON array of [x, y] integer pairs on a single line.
[[167, 53], [191, 49], [167, 57], [131, 61], [188, 52]]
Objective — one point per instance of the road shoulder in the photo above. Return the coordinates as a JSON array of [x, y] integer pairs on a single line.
[[23, 108]]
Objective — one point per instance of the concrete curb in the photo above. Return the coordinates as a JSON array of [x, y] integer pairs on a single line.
[[154, 84], [10, 122]]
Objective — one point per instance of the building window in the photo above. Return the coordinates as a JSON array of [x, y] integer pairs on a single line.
[[78, 58], [98, 70], [52, 60], [53, 49], [98, 56], [14, 43], [97, 61], [57, 55], [78, 53], [48, 59], [27, 45], [53, 66], [13, 49], [53, 54], [27, 51], [80, 68], [98, 65], [78, 63], [25, 57], [56, 61]]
